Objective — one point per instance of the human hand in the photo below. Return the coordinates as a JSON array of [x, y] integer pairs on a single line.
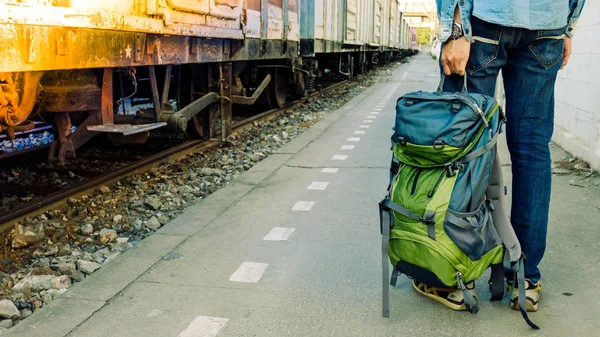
[[566, 51], [455, 55]]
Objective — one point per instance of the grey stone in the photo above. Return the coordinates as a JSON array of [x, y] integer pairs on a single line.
[[35, 282], [6, 323], [104, 189], [101, 253], [61, 282], [77, 276], [23, 236], [122, 240], [8, 309], [66, 268], [46, 298], [153, 223], [65, 250], [25, 313], [108, 235], [87, 229], [154, 203], [15, 296], [117, 218], [211, 171], [112, 257], [55, 292], [51, 251], [88, 267], [163, 219]]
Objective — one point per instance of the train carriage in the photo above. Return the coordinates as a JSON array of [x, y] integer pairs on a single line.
[[76, 61]]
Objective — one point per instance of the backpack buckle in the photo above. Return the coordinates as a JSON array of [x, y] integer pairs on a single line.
[[402, 141], [438, 144], [453, 167], [455, 107]]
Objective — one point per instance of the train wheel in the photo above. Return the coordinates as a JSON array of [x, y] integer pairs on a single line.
[[278, 89]]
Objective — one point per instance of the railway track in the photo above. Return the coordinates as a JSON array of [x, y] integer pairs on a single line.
[[59, 198]]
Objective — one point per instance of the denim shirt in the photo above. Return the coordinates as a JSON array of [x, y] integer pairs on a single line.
[[528, 14]]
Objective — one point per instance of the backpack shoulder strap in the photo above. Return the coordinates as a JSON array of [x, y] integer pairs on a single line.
[[385, 218], [500, 214]]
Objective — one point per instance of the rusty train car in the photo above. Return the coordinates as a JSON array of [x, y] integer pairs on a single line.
[[77, 62]]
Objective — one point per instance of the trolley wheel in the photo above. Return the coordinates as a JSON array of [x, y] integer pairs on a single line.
[[278, 89]]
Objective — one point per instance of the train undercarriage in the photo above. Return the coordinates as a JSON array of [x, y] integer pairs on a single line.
[[194, 100]]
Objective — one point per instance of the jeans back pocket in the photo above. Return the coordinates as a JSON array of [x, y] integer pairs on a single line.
[[548, 48]]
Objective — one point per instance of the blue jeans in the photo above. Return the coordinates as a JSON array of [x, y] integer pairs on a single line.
[[530, 61]]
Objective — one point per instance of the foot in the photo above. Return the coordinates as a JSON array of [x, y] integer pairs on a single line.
[[533, 292], [450, 297]]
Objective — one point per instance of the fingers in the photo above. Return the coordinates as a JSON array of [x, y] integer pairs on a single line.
[[462, 65], [455, 56], [566, 52], [447, 69], [452, 65], [565, 61]]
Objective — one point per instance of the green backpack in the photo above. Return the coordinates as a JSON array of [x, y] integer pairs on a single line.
[[444, 221]]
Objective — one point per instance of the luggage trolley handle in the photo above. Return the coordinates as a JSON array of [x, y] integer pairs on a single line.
[[464, 89]]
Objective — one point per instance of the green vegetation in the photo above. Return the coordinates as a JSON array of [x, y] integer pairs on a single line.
[[423, 35]]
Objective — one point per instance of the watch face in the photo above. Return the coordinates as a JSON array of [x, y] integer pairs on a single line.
[[456, 31]]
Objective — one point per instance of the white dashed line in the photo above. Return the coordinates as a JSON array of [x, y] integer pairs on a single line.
[[354, 139], [367, 121], [279, 234], [339, 157], [318, 185], [155, 313], [347, 147], [372, 117], [375, 113], [377, 109], [249, 272], [330, 170], [364, 126], [359, 132], [303, 206], [204, 326]]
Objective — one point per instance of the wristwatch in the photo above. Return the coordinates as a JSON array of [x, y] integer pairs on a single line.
[[457, 31]]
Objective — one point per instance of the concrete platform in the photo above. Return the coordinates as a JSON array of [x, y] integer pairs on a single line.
[[210, 272]]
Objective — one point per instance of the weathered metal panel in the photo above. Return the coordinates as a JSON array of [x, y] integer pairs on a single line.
[[64, 48], [376, 40], [307, 27], [294, 21], [151, 16], [307, 19], [275, 22], [319, 15], [386, 23], [352, 20]]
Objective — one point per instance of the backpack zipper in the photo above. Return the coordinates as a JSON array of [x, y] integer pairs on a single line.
[[457, 96], [414, 186]]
